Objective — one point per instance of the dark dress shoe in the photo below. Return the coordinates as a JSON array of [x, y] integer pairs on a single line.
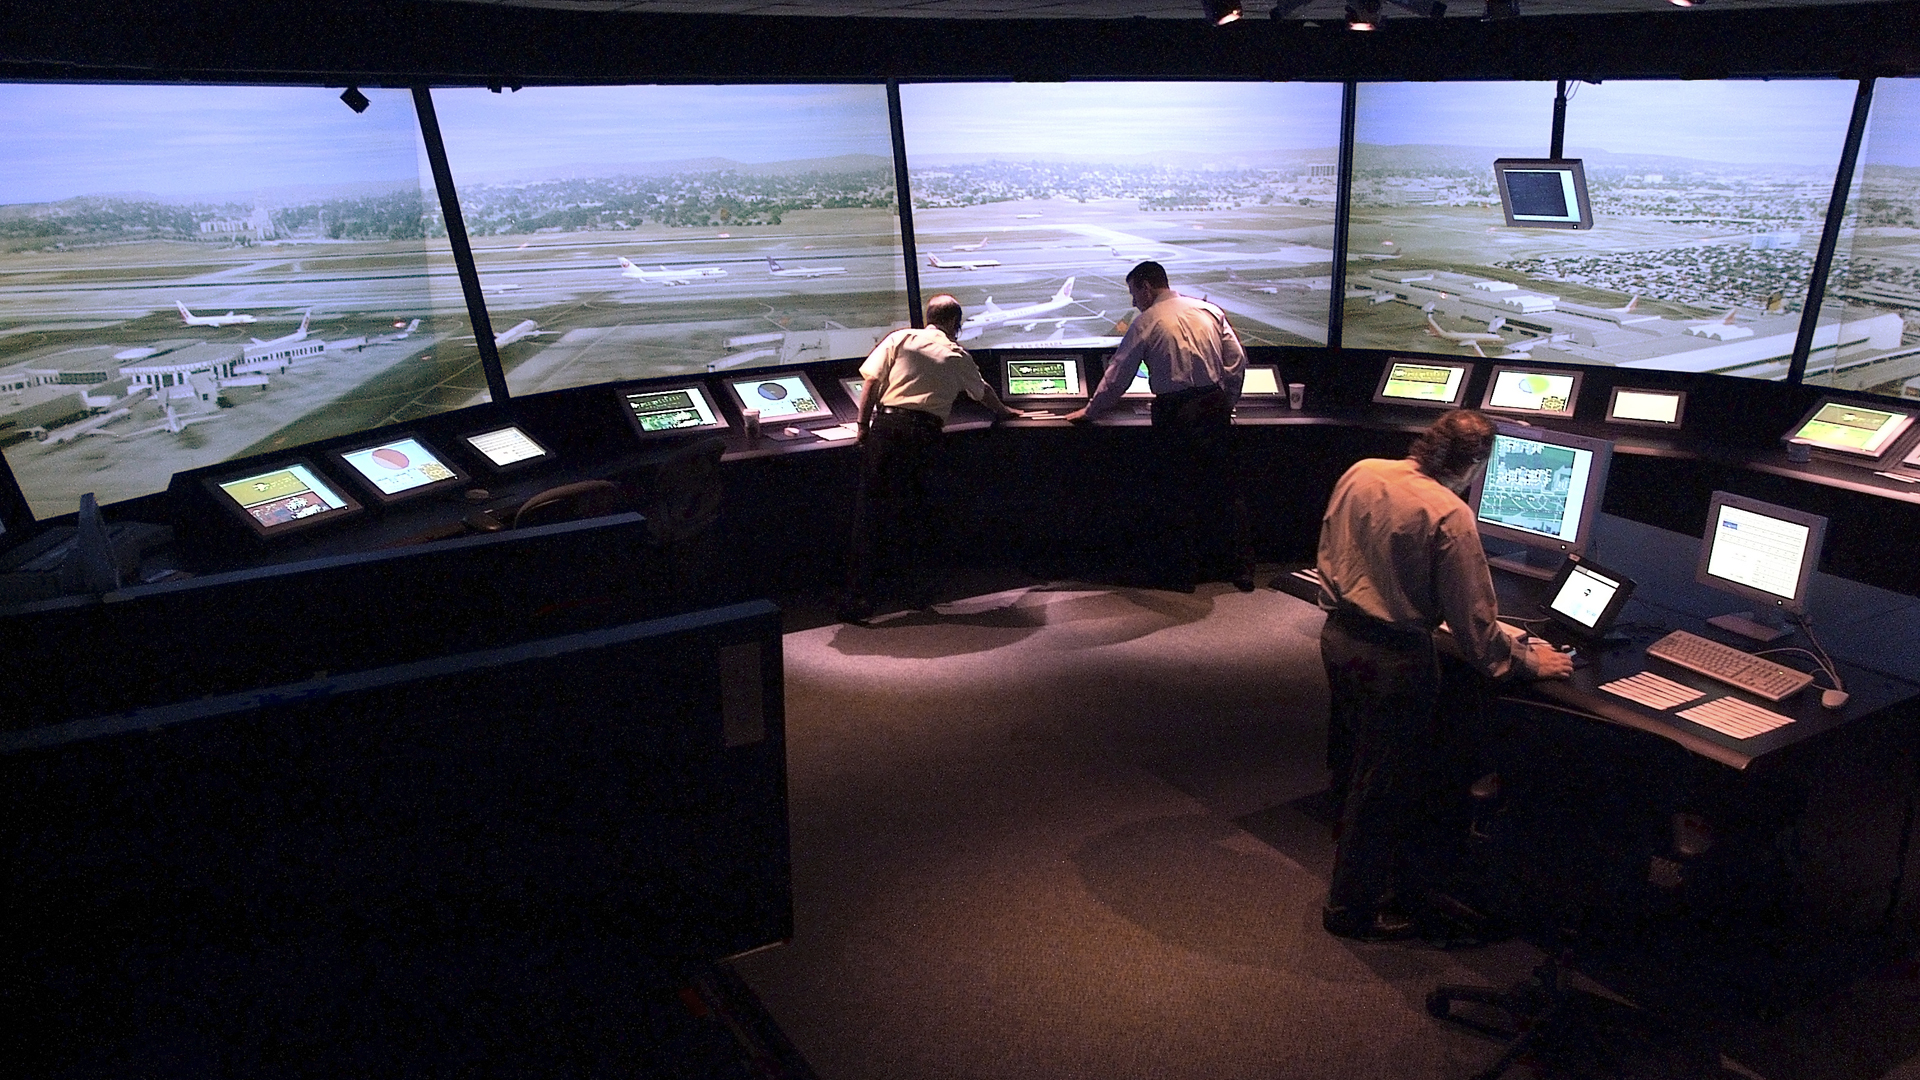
[[855, 609], [1368, 926]]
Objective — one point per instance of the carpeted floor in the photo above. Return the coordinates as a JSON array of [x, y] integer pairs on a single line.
[[1019, 853]]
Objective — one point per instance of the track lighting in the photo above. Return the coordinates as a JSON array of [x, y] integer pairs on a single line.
[[1363, 15], [1221, 12]]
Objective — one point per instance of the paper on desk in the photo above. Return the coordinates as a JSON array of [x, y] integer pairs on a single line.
[[838, 432]]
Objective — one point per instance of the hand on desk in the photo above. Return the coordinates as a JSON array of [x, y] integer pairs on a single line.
[[1548, 662]]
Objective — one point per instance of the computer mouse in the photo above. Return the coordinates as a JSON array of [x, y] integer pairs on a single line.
[[1834, 699]]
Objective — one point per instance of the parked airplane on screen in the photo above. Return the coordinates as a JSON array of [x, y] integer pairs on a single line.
[[774, 268], [1468, 337], [524, 328], [229, 319], [939, 263], [297, 335], [172, 423], [1026, 314], [971, 247], [665, 276]]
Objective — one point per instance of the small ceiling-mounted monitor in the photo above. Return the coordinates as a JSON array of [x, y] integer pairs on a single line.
[[1844, 427], [1044, 378], [286, 498], [1532, 392], [664, 410], [1649, 408], [1433, 384], [399, 468], [1544, 193], [781, 397]]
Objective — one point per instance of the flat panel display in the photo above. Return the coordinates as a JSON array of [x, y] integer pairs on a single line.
[[1846, 427], [287, 498], [1708, 199], [1760, 552], [1541, 489], [1873, 290], [1020, 186], [1262, 380], [1140, 387], [855, 386], [790, 396], [401, 467], [674, 230], [1655, 408], [1544, 193], [237, 267], [507, 447], [1586, 597], [1050, 377], [1428, 383], [658, 410], [1522, 390]]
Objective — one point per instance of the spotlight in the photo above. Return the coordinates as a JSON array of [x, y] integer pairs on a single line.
[[1363, 15], [1221, 12], [355, 100], [1502, 9], [1686, 3]]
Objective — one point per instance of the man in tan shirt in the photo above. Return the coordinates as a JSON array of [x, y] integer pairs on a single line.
[[909, 383], [1400, 554]]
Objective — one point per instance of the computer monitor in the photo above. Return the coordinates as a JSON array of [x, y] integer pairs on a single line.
[[1585, 598], [1544, 193], [1139, 387], [290, 497], [1763, 553], [665, 410], [1649, 408], [399, 468], [1541, 490], [1262, 380], [781, 397], [507, 448], [854, 385], [1532, 391], [1851, 429], [1432, 384], [1044, 378]]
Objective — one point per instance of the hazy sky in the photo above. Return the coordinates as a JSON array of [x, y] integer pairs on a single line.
[[63, 141], [1107, 120], [1893, 127], [510, 132], [1738, 122]]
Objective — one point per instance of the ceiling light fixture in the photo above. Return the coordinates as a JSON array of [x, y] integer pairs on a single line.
[[1221, 12], [1363, 15]]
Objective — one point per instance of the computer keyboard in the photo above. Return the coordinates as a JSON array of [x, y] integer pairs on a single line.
[[1740, 670], [1734, 717]]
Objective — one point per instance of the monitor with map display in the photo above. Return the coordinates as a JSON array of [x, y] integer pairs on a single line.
[[1433, 384], [790, 396], [665, 410], [1045, 378], [399, 468], [1531, 391], [289, 497], [1541, 490], [1846, 427]]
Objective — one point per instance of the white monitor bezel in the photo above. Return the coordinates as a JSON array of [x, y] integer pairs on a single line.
[[1466, 369], [1493, 384]]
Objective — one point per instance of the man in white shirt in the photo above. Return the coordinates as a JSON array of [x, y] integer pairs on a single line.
[[909, 384], [1195, 366]]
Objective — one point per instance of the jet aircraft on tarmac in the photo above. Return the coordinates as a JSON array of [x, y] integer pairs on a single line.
[[939, 263], [229, 319], [774, 268], [665, 276]]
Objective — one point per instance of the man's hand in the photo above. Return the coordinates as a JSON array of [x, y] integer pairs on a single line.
[[1548, 662], [1077, 416], [1011, 414]]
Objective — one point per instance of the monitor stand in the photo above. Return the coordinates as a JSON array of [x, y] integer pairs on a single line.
[[1530, 562], [1764, 625]]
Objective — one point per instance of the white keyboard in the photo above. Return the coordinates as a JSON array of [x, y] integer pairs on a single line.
[[1740, 670], [1653, 691], [1732, 716]]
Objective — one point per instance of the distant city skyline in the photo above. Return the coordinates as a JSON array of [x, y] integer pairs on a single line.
[[488, 133], [183, 142], [1117, 121], [1738, 122]]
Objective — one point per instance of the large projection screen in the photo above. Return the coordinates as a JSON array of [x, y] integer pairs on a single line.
[[1708, 198], [190, 274], [1019, 187], [671, 230]]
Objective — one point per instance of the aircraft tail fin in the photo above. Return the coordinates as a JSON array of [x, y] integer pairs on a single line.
[[1066, 291], [626, 264], [773, 266], [184, 313]]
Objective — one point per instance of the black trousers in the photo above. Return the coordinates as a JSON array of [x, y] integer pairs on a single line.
[[891, 514], [1208, 525]]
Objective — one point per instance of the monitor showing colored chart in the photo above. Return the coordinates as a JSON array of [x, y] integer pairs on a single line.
[[1543, 393], [1434, 384], [781, 397], [290, 497], [400, 468], [1044, 378], [1849, 428], [659, 411]]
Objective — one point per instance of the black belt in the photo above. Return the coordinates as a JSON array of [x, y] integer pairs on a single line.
[[1178, 398], [915, 416], [1374, 632]]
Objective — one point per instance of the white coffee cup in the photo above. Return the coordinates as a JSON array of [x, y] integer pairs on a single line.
[[1296, 395]]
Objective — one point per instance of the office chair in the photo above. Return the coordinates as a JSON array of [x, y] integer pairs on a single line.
[[571, 502]]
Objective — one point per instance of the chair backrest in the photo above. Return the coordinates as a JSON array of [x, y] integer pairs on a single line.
[[571, 502], [685, 492]]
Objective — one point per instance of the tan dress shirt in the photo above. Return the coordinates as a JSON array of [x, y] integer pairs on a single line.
[[923, 369]]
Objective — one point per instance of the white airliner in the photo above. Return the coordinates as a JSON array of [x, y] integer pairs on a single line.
[[1270, 286], [229, 319], [1026, 314], [297, 335], [172, 423], [524, 328], [1468, 337], [665, 276], [971, 247], [939, 263], [774, 268]]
